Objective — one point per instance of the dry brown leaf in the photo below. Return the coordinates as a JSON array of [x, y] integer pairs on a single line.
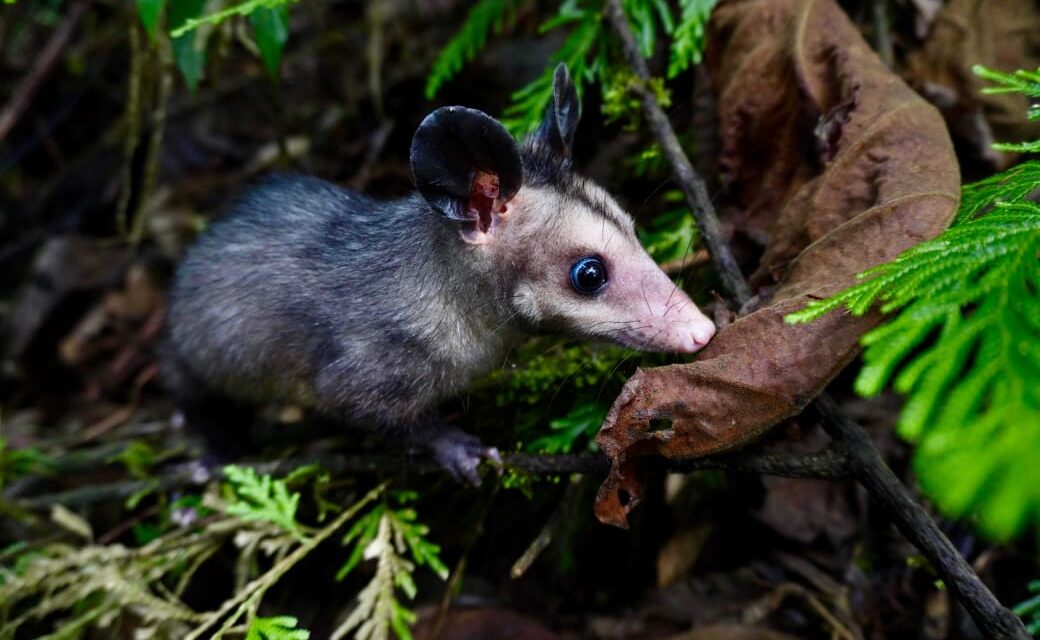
[[999, 34], [846, 166]]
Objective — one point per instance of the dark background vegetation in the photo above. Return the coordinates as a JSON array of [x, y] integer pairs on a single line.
[[727, 555]]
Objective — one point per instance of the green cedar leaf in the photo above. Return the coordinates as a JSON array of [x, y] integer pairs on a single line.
[[670, 235], [689, 37], [262, 498], [971, 297], [385, 534], [583, 420], [276, 628], [583, 51], [484, 17], [1019, 147]]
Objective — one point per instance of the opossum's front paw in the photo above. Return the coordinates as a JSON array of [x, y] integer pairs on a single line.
[[461, 453]]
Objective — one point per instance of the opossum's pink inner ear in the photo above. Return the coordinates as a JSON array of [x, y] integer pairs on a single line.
[[556, 133], [466, 165]]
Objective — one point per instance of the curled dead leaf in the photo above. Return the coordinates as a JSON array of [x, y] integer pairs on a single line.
[[845, 167]]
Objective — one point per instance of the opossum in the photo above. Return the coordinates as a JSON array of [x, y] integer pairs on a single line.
[[371, 312]]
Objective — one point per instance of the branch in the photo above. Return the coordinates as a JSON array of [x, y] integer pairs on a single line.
[[917, 526], [693, 188], [826, 464], [865, 461], [45, 62]]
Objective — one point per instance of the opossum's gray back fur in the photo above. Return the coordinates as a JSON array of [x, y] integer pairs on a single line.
[[308, 292]]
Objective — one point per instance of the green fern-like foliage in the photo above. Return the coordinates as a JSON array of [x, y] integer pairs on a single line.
[[276, 628], [648, 18], [583, 421], [688, 38], [584, 51], [387, 534], [52, 584], [964, 346], [262, 498], [15, 463], [1025, 82], [1029, 610], [587, 50], [238, 9], [672, 234], [484, 17]]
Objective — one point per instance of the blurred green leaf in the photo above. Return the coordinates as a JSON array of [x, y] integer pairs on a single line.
[[15, 463], [670, 235], [150, 11], [188, 49], [241, 9], [271, 29], [1029, 610]]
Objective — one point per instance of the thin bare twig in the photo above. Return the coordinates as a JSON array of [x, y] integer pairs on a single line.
[[545, 536], [882, 39], [693, 187], [150, 172], [132, 117], [45, 63], [865, 461]]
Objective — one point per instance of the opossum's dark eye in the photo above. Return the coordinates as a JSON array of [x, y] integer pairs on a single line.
[[589, 275]]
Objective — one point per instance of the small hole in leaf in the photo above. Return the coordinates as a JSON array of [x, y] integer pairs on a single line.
[[660, 424], [623, 497]]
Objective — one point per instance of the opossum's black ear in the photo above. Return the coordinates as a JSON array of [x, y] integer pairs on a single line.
[[465, 164], [561, 117]]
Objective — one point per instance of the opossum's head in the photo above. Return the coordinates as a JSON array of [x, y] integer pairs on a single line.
[[566, 255]]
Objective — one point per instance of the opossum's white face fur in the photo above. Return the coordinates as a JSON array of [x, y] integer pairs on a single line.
[[564, 253], [579, 269]]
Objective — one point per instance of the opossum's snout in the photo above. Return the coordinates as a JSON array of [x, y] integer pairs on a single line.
[[662, 316]]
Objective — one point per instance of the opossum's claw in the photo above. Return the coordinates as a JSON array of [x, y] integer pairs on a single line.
[[461, 453]]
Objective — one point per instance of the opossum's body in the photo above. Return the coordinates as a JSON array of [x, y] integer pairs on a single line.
[[373, 311], [305, 286]]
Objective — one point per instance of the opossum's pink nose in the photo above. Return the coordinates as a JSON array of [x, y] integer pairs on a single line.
[[702, 332], [692, 336]]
